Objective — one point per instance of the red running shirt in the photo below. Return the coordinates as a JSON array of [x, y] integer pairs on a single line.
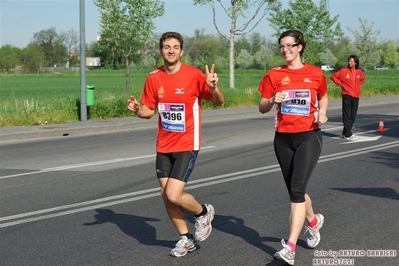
[[302, 88], [349, 80], [178, 100]]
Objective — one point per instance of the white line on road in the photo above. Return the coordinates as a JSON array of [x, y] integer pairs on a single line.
[[74, 166], [135, 196]]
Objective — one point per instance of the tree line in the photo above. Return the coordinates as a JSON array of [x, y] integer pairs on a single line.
[[128, 40]]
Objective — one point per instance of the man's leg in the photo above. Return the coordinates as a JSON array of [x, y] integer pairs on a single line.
[[355, 107], [177, 202], [347, 115]]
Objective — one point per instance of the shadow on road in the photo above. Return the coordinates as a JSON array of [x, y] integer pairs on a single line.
[[381, 192], [235, 226], [132, 225]]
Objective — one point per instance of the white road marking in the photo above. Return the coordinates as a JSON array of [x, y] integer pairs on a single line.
[[149, 193], [74, 166]]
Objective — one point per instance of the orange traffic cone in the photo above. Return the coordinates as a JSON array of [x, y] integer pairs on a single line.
[[381, 127]]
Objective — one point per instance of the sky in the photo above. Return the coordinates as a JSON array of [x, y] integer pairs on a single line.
[[21, 19]]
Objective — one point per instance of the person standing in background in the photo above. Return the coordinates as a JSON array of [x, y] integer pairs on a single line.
[[299, 91], [349, 79], [176, 90]]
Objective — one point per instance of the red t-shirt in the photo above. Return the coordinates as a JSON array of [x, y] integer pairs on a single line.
[[349, 80], [178, 99], [302, 88]]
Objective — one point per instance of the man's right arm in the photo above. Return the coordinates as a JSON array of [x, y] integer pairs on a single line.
[[143, 111], [335, 78]]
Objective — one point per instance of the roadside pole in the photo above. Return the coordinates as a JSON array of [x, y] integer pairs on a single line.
[[83, 107]]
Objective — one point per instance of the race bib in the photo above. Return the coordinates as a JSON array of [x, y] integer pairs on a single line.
[[296, 102], [173, 116]]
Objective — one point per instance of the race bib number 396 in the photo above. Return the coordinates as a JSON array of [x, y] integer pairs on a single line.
[[173, 116], [296, 102]]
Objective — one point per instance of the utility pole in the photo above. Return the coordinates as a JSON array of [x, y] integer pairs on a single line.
[[83, 105]]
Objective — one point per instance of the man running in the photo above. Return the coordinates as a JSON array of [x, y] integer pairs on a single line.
[[176, 90]]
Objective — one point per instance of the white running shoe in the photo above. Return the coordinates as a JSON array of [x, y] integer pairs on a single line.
[[183, 246], [203, 226], [286, 254], [313, 238], [353, 137]]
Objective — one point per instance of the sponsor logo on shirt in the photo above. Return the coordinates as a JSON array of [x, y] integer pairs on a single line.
[[176, 107], [161, 92], [179, 91], [286, 80], [308, 80], [302, 94]]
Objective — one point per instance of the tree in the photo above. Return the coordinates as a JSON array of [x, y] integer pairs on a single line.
[[313, 21], [341, 50], [245, 59], [390, 56], [237, 9], [126, 25], [204, 48], [263, 57], [328, 58], [70, 40], [242, 43], [33, 58], [366, 41], [9, 57], [256, 42], [50, 43]]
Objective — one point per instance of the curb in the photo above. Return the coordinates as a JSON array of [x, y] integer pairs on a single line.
[[118, 124]]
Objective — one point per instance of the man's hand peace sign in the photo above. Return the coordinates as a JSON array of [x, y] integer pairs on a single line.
[[211, 77]]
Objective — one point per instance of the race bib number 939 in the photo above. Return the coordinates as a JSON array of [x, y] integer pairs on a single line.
[[173, 116]]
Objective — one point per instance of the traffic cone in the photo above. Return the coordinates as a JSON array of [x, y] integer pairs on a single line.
[[381, 127]]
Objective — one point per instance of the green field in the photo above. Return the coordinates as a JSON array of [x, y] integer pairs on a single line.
[[30, 99]]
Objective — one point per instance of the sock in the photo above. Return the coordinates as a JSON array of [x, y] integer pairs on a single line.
[[313, 222], [291, 245], [204, 211], [188, 235]]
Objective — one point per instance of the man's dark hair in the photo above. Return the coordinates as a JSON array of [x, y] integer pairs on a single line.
[[169, 35]]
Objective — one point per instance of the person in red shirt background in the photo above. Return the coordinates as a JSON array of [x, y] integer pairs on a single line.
[[349, 79], [176, 90], [299, 92]]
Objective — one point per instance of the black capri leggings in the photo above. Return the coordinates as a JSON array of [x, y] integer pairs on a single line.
[[297, 154]]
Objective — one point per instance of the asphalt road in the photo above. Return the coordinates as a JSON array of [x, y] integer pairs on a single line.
[[93, 199]]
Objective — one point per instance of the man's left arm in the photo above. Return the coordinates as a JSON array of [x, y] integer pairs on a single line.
[[212, 81], [362, 77], [217, 97]]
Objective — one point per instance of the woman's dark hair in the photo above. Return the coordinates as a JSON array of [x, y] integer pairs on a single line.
[[170, 35], [356, 59], [298, 37]]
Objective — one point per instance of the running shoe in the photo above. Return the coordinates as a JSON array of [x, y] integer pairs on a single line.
[[286, 254], [313, 238], [203, 226], [183, 246], [353, 137]]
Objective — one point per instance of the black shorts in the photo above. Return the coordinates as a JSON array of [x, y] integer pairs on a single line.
[[177, 165]]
